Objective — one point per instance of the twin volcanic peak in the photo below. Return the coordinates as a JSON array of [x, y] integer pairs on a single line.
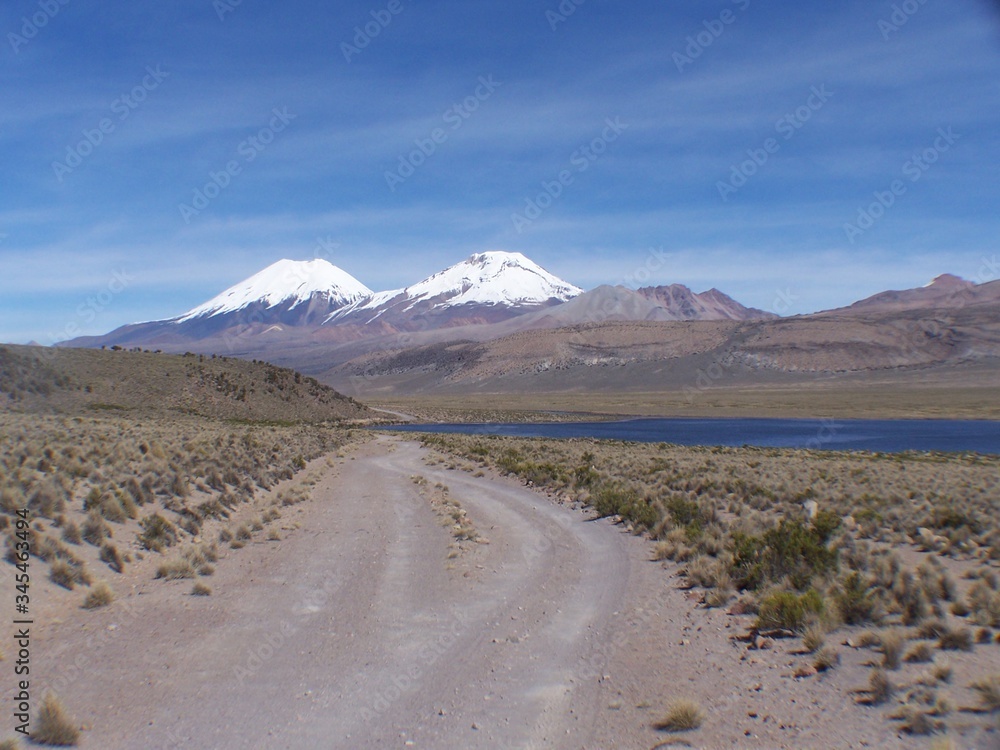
[[318, 292], [485, 288], [316, 298]]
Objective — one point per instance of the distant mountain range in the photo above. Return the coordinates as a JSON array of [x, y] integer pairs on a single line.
[[291, 297], [498, 320]]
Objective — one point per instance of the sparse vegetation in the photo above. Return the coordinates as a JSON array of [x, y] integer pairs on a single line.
[[826, 658], [682, 716], [989, 692], [200, 589], [63, 574], [813, 638], [174, 570], [105, 481], [111, 556], [920, 652], [808, 541], [880, 687], [53, 726], [956, 639], [893, 642], [100, 595]]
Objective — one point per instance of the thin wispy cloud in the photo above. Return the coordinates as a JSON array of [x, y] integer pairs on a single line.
[[328, 174]]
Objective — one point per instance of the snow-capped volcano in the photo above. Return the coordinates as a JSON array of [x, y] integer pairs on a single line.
[[493, 278], [286, 284], [486, 286]]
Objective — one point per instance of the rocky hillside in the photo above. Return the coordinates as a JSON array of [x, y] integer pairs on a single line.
[[71, 381]]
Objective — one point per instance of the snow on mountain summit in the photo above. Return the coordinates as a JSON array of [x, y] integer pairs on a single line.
[[287, 282], [494, 278]]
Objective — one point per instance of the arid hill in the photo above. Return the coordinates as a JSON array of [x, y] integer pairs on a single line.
[[883, 337], [70, 381]]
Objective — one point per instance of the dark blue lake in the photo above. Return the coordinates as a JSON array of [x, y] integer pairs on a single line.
[[889, 436]]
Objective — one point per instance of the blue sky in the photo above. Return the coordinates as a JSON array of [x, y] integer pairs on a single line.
[[744, 139]]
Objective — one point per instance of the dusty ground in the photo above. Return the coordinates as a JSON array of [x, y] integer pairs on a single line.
[[363, 628]]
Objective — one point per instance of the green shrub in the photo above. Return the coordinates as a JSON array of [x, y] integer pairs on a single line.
[[824, 525], [684, 512], [610, 500], [585, 476], [854, 600], [157, 533], [791, 549], [788, 610]]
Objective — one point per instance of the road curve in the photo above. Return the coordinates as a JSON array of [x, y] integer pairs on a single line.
[[358, 631]]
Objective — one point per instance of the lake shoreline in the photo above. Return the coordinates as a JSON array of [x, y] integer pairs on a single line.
[[870, 435]]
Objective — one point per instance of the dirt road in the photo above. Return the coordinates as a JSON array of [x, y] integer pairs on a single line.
[[358, 631]]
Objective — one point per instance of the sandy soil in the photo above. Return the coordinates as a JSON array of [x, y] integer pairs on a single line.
[[363, 629]]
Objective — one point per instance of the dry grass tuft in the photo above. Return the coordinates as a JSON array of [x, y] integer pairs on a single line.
[[920, 653], [813, 638], [53, 726], [682, 716], [989, 693], [956, 639], [919, 723], [893, 642], [200, 589], [942, 672], [174, 570], [826, 658], [100, 595], [880, 687]]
